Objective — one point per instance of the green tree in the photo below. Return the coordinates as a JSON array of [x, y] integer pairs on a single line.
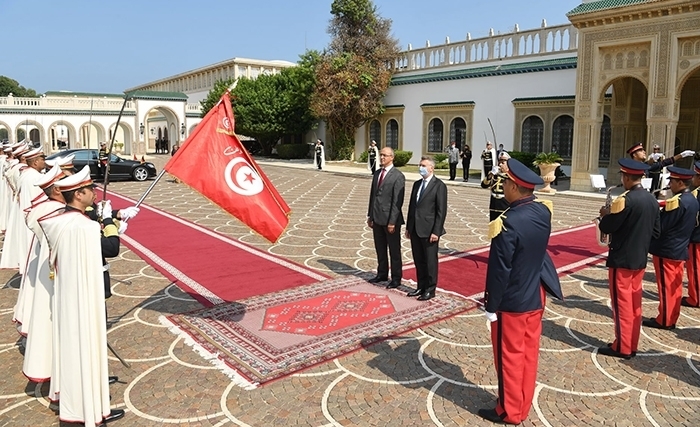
[[8, 85], [215, 94], [354, 73]]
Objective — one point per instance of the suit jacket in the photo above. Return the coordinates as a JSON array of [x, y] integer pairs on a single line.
[[427, 216], [385, 202]]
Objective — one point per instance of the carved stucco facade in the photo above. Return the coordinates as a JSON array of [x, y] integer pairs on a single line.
[[650, 54]]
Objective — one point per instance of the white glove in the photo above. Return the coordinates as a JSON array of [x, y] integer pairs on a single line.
[[495, 170], [122, 227], [687, 153], [128, 213], [104, 209], [491, 316]]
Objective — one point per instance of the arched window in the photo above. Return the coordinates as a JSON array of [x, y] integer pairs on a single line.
[[392, 134], [435, 136], [605, 139], [532, 138], [4, 134], [375, 132], [563, 135], [458, 132], [34, 135]]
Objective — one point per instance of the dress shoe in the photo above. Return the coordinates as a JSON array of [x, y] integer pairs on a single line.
[[377, 279], [414, 293], [652, 323], [425, 296], [113, 379], [685, 303], [492, 415], [114, 415], [634, 353], [607, 351], [393, 284]]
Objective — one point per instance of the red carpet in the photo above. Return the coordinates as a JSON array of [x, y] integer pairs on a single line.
[[465, 272], [267, 337], [209, 266]]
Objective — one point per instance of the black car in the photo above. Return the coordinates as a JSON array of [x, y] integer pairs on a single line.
[[119, 168]]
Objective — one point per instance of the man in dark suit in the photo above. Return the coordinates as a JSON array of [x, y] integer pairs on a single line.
[[384, 216], [426, 219]]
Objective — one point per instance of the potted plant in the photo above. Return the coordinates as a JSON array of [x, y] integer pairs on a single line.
[[118, 146], [548, 164]]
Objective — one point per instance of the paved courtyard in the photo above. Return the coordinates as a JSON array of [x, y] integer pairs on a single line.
[[438, 375]]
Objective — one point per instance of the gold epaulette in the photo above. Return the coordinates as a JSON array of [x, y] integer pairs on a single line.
[[548, 203], [695, 193], [89, 209], [618, 205], [496, 226], [673, 203], [111, 229]]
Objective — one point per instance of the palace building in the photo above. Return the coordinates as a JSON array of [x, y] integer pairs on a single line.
[[620, 72]]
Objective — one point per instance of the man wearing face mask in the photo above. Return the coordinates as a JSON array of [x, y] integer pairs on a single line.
[[427, 209]]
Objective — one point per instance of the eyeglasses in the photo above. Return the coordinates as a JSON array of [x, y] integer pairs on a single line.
[[385, 155]]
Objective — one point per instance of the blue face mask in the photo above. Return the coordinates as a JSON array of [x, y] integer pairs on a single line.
[[423, 171]]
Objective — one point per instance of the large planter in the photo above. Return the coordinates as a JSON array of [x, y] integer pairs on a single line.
[[547, 173]]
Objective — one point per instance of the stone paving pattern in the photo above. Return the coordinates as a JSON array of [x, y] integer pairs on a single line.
[[437, 375]]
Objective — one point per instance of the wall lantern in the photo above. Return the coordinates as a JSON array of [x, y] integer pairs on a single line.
[[141, 128], [182, 129]]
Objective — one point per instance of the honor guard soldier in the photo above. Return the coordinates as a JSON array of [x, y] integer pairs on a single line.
[[670, 249], [693, 263], [631, 222], [638, 153], [520, 273], [103, 158], [372, 157], [319, 155], [494, 180]]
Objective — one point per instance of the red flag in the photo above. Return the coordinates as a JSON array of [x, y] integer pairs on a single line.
[[214, 162]]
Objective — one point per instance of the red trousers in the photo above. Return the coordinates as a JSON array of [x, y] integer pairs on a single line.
[[669, 281], [516, 345], [626, 301], [693, 268]]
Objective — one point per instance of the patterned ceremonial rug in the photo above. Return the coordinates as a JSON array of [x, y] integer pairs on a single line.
[[266, 337]]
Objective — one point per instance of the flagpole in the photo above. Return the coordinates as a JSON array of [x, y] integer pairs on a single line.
[[150, 188], [111, 146]]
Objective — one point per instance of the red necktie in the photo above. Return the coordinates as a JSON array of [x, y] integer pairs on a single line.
[[381, 177]]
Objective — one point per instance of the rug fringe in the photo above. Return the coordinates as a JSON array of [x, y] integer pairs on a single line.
[[212, 358]]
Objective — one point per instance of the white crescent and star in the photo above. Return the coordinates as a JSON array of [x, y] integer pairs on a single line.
[[241, 178]]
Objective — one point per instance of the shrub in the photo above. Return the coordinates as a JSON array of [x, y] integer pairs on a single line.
[[524, 158], [439, 158], [292, 151], [363, 157], [401, 158]]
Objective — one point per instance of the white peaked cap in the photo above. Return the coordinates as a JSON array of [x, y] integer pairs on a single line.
[[73, 182], [33, 153], [66, 161], [52, 162], [50, 177], [7, 149], [22, 148], [16, 144]]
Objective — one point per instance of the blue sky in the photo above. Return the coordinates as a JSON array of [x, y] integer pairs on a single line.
[[109, 46]]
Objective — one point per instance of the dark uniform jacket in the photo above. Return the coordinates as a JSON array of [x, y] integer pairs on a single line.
[[385, 202], [518, 261], [695, 237], [678, 220], [657, 166], [631, 229], [498, 203]]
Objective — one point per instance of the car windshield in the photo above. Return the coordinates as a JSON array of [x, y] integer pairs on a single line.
[[113, 158]]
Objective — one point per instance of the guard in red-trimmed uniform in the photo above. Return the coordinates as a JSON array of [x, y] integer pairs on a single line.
[[670, 250], [519, 273], [638, 153], [631, 222], [692, 266]]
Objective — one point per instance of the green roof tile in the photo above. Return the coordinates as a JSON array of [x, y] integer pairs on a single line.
[[157, 95], [602, 5], [492, 70]]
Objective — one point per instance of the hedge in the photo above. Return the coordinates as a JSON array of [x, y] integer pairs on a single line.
[[401, 158], [292, 151], [525, 158]]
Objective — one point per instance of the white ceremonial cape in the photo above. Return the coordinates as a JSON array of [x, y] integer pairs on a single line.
[[28, 194], [323, 157], [80, 324], [3, 193], [7, 192], [38, 352], [10, 256], [376, 159]]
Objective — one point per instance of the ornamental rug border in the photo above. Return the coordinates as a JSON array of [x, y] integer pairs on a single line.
[[234, 333]]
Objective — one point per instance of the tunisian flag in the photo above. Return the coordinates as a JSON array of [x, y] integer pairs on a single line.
[[214, 162]]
